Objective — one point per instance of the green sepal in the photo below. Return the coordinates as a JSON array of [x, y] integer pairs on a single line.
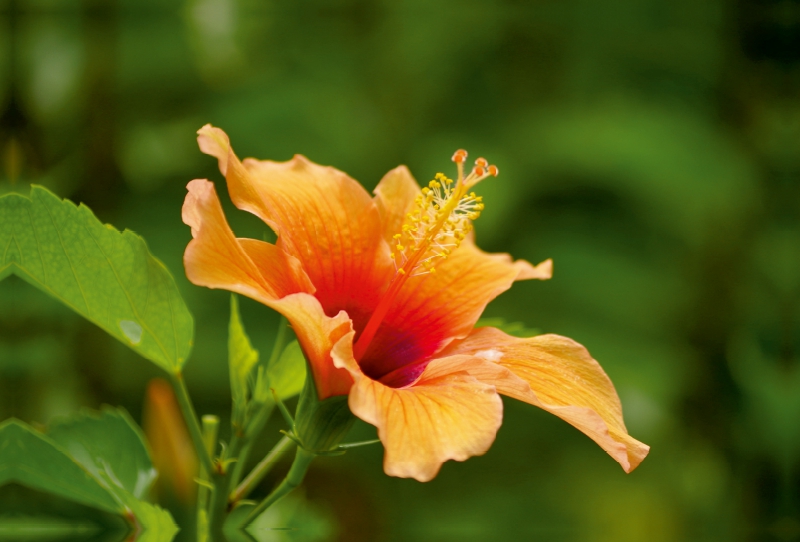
[[332, 453], [357, 444], [321, 425], [291, 436]]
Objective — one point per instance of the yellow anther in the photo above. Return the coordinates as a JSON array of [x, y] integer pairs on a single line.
[[440, 219]]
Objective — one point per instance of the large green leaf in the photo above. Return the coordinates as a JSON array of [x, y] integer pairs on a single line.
[[31, 459], [110, 446], [242, 357], [110, 469], [106, 276]]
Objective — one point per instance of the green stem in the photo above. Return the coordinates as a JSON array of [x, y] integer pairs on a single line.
[[189, 415], [210, 431], [302, 460], [252, 430], [260, 470], [238, 468], [218, 510]]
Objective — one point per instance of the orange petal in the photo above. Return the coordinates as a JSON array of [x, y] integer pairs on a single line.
[[216, 259], [323, 218], [317, 334], [447, 414], [558, 375], [542, 271], [461, 288], [394, 197], [215, 142], [284, 272], [433, 309]]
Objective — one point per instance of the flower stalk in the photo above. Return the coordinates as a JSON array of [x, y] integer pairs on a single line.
[[294, 478], [190, 416], [260, 470], [206, 490]]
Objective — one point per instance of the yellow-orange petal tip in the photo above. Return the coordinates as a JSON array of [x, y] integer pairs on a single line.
[[214, 142]]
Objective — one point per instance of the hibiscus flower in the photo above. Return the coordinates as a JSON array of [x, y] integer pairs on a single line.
[[384, 293]]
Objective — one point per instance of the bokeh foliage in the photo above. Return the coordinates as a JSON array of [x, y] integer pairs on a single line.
[[649, 147]]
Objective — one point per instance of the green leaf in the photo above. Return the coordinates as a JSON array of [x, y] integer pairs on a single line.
[[106, 276], [242, 357], [153, 522], [110, 467], [107, 443], [287, 375], [515, 329], [31, 459]]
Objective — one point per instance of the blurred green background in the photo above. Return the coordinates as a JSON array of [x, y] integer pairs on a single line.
[[650, 147]]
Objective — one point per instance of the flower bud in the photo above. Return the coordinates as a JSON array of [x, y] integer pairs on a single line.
[[321, 425]]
